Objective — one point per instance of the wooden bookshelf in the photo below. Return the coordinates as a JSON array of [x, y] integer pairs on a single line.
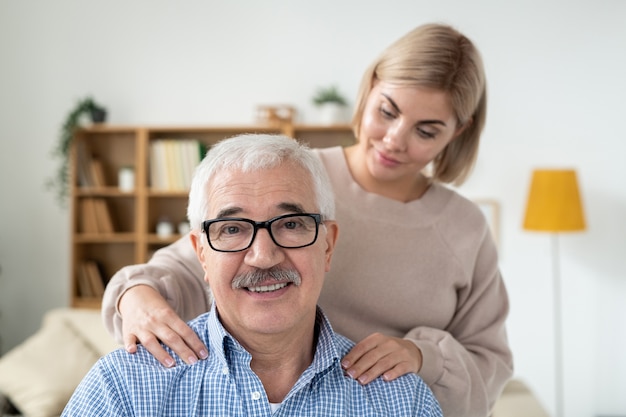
[[111, 228]]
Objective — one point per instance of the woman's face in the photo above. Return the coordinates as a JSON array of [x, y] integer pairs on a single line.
[[403, 129]]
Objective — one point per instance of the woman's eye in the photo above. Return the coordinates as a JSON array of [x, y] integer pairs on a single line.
[[387, 113], [425, 133]]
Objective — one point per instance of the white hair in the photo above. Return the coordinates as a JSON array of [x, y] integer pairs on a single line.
[[253, 152]]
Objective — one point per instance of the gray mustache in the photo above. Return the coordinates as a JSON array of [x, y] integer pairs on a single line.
[[253, 278]]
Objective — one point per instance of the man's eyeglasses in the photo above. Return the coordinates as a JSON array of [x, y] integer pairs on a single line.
[[235, 234]]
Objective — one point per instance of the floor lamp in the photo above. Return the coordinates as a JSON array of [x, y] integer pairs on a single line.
[[554, 206]]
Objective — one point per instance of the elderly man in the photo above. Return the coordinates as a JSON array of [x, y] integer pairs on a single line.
[[261, 211]]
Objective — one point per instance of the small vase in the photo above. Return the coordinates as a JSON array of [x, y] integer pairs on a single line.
[[164, 228], [126, 179], [331, 113], [98, 114]]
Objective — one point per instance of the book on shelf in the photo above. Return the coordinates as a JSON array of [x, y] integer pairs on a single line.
[[84, 286], [96, 278], [186, 162], [88, 218], [103, 216], [172, 163], [95, 216], [83, 170], [97, 172], [90, 279], [157, 165], [89, 168]]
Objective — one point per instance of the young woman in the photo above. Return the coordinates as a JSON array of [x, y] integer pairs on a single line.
[[415, 278]]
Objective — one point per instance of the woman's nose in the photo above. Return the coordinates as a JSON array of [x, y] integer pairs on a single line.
[[395, 138]]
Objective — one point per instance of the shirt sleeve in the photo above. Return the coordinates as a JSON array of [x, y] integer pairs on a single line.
[[174, 271], [468, 363]]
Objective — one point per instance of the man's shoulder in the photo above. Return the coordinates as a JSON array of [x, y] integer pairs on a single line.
[[122, 360], [119, 358], [405, 394]]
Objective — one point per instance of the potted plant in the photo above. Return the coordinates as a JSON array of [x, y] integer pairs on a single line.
[[331, 104], [85, 107]]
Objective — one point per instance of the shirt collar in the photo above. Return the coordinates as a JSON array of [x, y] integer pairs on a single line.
[[326, 352]]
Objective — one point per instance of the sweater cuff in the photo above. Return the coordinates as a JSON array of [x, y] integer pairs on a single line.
[[432, 361], [111, 316]]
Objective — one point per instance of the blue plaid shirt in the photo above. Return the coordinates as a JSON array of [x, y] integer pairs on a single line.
[[120, 384]]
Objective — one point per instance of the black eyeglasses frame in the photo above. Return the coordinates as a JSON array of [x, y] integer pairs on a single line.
[[262, 225]]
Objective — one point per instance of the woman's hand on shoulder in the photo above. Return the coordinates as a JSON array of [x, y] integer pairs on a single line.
[[378, 355], [147, 319]]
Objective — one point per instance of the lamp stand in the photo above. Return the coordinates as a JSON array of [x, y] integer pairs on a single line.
[[558, 333]]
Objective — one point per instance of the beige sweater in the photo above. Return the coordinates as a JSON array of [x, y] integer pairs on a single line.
[[426, 270]]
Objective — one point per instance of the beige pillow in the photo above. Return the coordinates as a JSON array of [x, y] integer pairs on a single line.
[[517, 400], [40, 375]]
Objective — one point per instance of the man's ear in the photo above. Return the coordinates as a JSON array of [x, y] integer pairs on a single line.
[[196, 242], [332, 233], [198, 247]]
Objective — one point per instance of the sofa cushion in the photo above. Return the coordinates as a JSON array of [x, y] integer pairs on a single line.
[[517, 400], [40, 374]]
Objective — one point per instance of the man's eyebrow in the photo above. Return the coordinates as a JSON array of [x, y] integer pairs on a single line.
[[293, 207], [233, 211], [228, 212]]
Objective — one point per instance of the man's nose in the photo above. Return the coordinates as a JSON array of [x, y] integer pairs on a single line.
[[264, 253]]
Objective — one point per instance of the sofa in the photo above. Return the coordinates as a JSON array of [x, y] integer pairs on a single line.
[[38, 376]]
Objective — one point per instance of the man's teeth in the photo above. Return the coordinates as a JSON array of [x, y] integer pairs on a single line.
[[267, 288]]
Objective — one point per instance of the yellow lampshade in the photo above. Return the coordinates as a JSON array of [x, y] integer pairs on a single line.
[[554, 202]]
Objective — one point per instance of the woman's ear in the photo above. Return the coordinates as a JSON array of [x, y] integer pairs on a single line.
[[462, 128]]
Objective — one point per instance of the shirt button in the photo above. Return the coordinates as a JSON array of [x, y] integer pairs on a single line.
[[256, 395], [225, 370]]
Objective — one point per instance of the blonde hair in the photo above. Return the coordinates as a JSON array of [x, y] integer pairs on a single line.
[[437, 56]]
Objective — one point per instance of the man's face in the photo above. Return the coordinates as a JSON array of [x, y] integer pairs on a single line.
[[269, 308]]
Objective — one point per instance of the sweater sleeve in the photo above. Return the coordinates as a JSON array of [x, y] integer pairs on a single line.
[[174, 271], [468, 363]]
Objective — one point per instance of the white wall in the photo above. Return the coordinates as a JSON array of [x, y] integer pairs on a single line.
[[556, 80]]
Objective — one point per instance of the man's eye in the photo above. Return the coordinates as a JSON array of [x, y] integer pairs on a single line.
[[230, 229], [291, 225]]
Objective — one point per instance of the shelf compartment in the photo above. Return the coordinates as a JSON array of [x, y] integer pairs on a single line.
[[99, 214]]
